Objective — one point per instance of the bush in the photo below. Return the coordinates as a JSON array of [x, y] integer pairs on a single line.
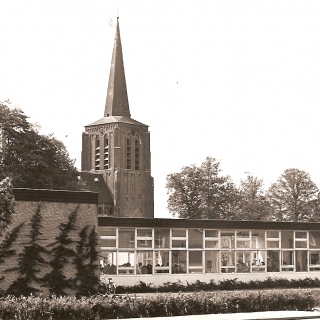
[[226, 284], [99, 307]]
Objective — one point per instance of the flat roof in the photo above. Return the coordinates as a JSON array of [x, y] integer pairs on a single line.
[[205, 224], [47, 195]]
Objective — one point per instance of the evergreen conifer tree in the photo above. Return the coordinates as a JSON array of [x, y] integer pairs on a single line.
[[30, 260], [6, 250], [86, 262], [62, 251]]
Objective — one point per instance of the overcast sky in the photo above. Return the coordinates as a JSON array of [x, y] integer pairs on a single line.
[[235, 80]]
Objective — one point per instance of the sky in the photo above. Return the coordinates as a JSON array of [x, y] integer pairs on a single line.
[[237, 80]]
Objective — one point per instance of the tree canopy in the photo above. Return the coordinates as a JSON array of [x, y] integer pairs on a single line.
[[201, 192], [31, 159], [294, 197], [252, 203]]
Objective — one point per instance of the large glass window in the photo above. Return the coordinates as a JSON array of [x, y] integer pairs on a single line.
[[228, 261], [126, 238], [301, 260], [179, 238], [314, 240], [273, 261], [179, 261], [243, 239], [179, 233], [211, 261], [144, 262], [227, 239], [108, 237], [162, 238], [126, 264], [287, 260], [162, 261], [195, 262], [286, 239], [301, 239], [144, 238], [243, 261], [258, 260], [108, 243], [258, 239], [314, 261], [108, 262], [211, 239], [129, 250], [273, 239], [195, 238]]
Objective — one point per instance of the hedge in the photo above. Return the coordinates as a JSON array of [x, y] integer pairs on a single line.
[[197, 303], [226, 284]]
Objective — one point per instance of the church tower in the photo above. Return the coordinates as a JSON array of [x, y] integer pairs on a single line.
[[116, 151]]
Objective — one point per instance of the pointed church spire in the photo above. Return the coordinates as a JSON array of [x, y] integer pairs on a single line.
[[117, 103]]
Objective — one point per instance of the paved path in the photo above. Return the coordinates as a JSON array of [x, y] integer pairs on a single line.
[[268, 315]]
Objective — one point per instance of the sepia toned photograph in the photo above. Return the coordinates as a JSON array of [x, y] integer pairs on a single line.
[[159, 159]]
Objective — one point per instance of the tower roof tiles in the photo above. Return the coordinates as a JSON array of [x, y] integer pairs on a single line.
[[117, 103], [114, 119]]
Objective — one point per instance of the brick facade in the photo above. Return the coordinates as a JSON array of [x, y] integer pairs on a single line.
[[56, 206]]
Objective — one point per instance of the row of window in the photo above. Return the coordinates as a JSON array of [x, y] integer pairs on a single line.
[[208, 261], [154, 238], [194, 250], [105, 147]]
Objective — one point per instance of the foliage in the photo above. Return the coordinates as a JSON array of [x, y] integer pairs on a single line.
[[200, 192], [161, 305], [86, 262], [252, 200], [7, 242], [6, 203], [294, 197], [33, 160], [226, 284], [62, 251], [30, 260]]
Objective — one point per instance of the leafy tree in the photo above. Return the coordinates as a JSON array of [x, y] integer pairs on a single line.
[[30, 260], [33, 160], [62, 252], [201, 192], [86, 262], [6, 204], [252, 199], [294, 197]]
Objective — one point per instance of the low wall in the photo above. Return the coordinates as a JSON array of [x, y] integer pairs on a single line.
[[55, 208]]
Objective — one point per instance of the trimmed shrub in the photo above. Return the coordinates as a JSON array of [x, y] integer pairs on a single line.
[[226, 284], [165, 305]]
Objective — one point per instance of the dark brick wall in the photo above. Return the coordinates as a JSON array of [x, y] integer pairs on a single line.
[[56, 206]]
